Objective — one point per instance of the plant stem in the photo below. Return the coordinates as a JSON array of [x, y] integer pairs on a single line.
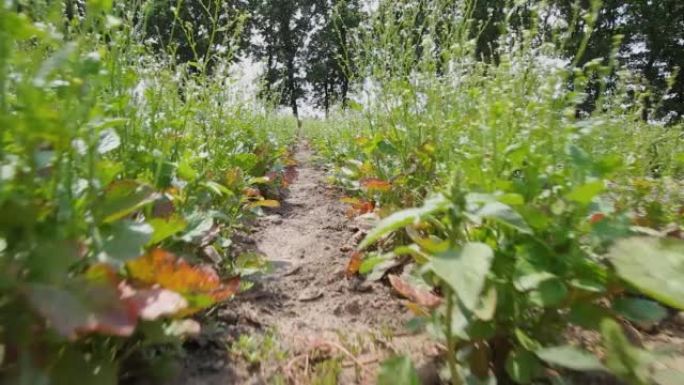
[[451, 341]]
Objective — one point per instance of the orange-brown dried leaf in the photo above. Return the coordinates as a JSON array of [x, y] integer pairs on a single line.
[[162, 268], [416, 309], [252, 192], [354, 264], [419, 296], [374, 184]]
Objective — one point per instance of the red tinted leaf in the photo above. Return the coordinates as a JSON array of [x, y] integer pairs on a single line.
[[358, 206], [419, 296], [596, 217], [373, 184], [290, 175], [354, 264], [92, 308]]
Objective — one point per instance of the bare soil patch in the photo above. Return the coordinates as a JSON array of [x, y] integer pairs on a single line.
[[304, 321]]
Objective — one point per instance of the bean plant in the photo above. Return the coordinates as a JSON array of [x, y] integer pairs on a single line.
[[522, 213], [122, 176]]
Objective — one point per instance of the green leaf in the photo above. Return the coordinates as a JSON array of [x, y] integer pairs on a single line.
[[125, 240], [404, 218], [587, 315], [523, 366], [525, 341], [585, 193], [89, 369], [639, 310], [124, 197], [654, 266], [398, 371], [464, 270], [570, 357], [622, 358], [505, 215], [550, 293], [166, 227], [532, 281]]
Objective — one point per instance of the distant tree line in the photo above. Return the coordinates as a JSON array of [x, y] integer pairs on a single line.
[[305, 44]]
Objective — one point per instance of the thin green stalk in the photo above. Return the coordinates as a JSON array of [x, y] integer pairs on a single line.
[[451, 341]]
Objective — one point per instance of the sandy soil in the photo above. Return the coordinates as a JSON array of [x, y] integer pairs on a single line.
[[306, 304]]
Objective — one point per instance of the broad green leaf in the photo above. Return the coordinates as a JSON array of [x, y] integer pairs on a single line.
[[655, 266], [166, 227], [525, 341], [186, 171], [88, 368], [505, 215], [404, 218], [585, 193], [587, 315], [398, 371], [639, 310], [570, 357], [465, 271], [532, 281], [125, 240], [622, 358], [523, 366], [487, 307], [198, 227], [124, 197], [550, 293]]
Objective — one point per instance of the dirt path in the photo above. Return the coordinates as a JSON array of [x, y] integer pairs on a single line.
[[303, 321]]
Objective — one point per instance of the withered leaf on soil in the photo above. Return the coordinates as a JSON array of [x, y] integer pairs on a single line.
[[354, 264], [419, 296]]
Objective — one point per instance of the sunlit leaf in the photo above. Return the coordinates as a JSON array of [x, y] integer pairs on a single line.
[[655, 266], [166, 227], [404, 218], [570, 357], [124, 197], [622, 358], [124, 240], [464, 270], [585, 193], [504, 214], [109, 141]]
